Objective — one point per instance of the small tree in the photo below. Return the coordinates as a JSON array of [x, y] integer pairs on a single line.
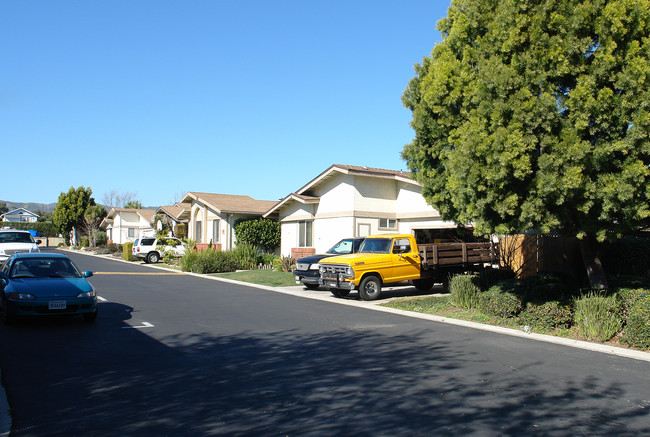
[[133, 204], [69, 212], [93, 217], [264, 233]]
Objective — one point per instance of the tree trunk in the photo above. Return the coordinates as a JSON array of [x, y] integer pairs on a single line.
[[590, 258]]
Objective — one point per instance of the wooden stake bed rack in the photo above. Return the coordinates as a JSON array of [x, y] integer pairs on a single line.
[[434, 256]]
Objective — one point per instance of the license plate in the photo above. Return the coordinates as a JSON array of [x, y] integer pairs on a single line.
[[57, 305]]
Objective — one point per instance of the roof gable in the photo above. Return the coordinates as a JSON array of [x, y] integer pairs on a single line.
[[231, 203]]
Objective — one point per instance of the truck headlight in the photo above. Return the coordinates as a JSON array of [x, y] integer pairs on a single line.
[[314, 266]]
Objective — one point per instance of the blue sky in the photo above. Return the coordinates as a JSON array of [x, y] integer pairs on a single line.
[[159, 98]]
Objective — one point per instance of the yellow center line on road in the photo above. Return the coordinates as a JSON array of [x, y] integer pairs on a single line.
[[137, 273]]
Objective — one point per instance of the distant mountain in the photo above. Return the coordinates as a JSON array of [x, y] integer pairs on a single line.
[[31, 206]]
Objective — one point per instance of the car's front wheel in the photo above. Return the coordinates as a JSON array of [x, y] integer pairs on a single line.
[[153, 257]]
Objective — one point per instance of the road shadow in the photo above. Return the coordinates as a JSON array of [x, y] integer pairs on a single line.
[[113, 379]]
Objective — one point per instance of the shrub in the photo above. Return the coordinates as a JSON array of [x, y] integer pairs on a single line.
[[103, 251], [597, 316], [626, 298], [264, 233], [208, 261], [101, 238], [112, 247], [180, 230], [84, 242], [464, 291], [247, 256], [637, 329], [283, 264], [499, 302], [547, 315], [126, 251], [489, 277]]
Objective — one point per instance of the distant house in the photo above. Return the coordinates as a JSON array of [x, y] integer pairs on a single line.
[[19, 215], [350, 201], [213, 216], [127, 224], [175, 214]]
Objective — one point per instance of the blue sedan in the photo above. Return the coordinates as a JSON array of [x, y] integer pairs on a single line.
[[34, 284]]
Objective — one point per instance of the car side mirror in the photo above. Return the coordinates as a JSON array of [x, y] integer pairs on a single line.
[[38, 241], [87, 273]]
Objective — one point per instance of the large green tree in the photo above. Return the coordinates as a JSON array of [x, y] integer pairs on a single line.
[[535, 116], [70, 209]]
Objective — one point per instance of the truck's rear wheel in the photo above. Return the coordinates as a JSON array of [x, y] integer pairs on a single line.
[[423, 284], [339, 292], [370, 288]]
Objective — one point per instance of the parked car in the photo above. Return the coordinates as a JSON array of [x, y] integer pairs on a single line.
[[306, 271], [151, 249], [16, 241], [45, 284]]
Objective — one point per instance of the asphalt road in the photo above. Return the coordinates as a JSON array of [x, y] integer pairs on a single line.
[[172, 354]]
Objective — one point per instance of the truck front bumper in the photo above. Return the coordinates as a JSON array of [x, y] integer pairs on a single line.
[[335, 281]]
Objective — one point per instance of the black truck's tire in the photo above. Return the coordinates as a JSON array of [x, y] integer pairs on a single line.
[[370, 288], [339, 292], [423, 284]]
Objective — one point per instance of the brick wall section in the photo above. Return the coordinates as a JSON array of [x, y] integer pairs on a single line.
[[301, 252], [203, 246]]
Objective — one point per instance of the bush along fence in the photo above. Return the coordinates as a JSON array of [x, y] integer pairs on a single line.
[[544, 303]]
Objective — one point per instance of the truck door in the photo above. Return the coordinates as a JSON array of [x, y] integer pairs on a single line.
[[405, 259]]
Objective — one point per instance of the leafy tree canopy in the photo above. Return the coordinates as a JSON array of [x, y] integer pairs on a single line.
[[535, 115], [71, 207]]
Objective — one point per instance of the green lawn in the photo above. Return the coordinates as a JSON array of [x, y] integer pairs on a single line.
[[262, 277]]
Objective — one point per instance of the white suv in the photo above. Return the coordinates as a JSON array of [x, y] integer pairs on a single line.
[[151, 249], [16, 241]]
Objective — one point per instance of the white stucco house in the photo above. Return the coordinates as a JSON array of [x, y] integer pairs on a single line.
[[19, 215], [350, 201], [213, 216], [126, 224]]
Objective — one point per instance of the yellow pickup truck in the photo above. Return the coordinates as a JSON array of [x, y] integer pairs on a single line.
[[387, 259]]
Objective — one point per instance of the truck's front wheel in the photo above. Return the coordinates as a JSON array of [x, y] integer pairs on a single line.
[[370, 288]]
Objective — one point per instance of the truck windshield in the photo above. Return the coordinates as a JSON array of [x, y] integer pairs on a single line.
[[376, 245]]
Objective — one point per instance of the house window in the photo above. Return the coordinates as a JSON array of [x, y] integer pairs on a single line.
[[130, 232], [305, 233], [387, 224], [197, 231], [215, 231]]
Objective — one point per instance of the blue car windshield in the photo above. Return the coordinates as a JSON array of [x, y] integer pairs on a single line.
[[43, 268], [376, 245], [342, 247]]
